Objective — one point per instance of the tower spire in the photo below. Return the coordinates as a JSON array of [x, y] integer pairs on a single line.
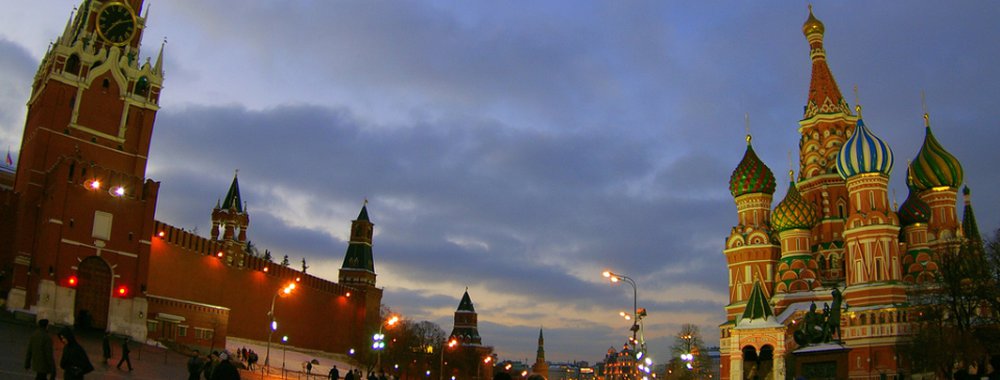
[[824, 95], [158, 67], [67, 36]]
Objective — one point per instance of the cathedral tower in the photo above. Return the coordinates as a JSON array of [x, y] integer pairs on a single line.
[[466, 329], [872, 227], [85, 209], [750, 252], [825, 126], [936, 175]]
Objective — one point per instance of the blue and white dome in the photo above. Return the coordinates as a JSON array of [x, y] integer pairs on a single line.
[[864, 153]]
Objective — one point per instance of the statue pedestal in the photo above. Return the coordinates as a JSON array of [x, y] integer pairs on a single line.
[[825, 361]]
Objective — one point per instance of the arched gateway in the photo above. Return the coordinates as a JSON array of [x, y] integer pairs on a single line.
[[93, 293]]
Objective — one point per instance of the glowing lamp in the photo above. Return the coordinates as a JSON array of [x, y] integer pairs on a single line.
[[122, 291], [274, 325], [118, 191], [71, 281], [350, 352], [161, 234], [348, 294], [298, 279], [284, 339], [95, 184], [219, 254], [265, 269]]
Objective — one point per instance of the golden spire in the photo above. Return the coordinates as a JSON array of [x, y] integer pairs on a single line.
[[923, 104], [746, 121]]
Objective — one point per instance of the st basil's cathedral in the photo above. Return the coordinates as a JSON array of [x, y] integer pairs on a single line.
[[835, 239]]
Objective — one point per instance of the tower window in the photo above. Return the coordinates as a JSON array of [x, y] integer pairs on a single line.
[[73, 65], [105, 85]]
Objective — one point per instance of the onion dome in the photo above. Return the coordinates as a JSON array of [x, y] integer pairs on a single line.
[[863, 153], [914, 210], [794, 212], [934, 166], [812, 24], [751, 175]]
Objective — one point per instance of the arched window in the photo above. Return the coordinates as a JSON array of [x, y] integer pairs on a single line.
[[142, 86], [73, 65]]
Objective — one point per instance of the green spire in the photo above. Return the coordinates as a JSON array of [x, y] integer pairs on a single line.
[[233, 198], [757, 306], [466, 303]]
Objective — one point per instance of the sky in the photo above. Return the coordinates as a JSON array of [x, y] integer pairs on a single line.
[[517, 149]]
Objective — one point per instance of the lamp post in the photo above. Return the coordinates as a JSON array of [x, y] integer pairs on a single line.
[[378, 340], [615, 278], [451, 343], [284, 346], [274, 325]]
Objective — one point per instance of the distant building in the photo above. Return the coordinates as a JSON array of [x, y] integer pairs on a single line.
[[79, 241], [571, 371], [835, 231], [619, 365]]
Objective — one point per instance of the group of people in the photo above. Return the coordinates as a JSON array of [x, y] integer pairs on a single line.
[[357, 375], [976, 369], [247, 356], [41, 358], [217, 366]]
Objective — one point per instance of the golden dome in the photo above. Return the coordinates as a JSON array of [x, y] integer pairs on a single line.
[[812, 25]]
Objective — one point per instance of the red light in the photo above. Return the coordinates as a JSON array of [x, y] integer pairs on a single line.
[[219, 254], [71, 281], [122, 291]]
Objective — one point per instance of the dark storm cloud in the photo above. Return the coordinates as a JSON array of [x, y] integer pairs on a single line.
[[17, 67]]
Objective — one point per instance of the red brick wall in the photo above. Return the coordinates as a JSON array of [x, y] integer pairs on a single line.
[[318, 315]]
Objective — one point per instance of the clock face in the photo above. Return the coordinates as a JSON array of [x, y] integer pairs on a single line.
[[116, 23]]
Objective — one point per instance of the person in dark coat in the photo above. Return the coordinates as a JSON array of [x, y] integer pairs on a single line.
[[210, 364], [75, 362], [106, 347], [334, 373], [349, 375], [125, 359], [40, 357], [225, 370], [195, 365]]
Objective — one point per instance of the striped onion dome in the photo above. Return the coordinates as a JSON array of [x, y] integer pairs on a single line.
[[934, 166], [794, 212], [751, 175], [863, 153], [914, 210]]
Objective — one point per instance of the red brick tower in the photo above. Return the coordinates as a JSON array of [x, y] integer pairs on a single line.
[[232, 218], [85, 209]]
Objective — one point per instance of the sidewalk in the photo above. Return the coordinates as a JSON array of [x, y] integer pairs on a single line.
[[150, 362]]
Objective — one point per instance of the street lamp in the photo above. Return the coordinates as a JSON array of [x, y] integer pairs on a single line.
[[615, 278], [378, 340], [451, 343], [274, 324], [284, 346]]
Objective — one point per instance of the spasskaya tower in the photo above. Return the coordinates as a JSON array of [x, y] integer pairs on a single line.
[[84, 207]]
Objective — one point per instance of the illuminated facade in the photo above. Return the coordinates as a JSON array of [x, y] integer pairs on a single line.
[[79, 243], [835, 228]]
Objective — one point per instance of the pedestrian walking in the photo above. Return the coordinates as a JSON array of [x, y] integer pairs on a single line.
[[334, 373], [195, 365], [40, 357], [349, 375], [106, 347], [309, 369], [74, 362], [125, 359]]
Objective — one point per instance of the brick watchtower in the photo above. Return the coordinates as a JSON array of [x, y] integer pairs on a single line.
[[231, 217], [84, 213]]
